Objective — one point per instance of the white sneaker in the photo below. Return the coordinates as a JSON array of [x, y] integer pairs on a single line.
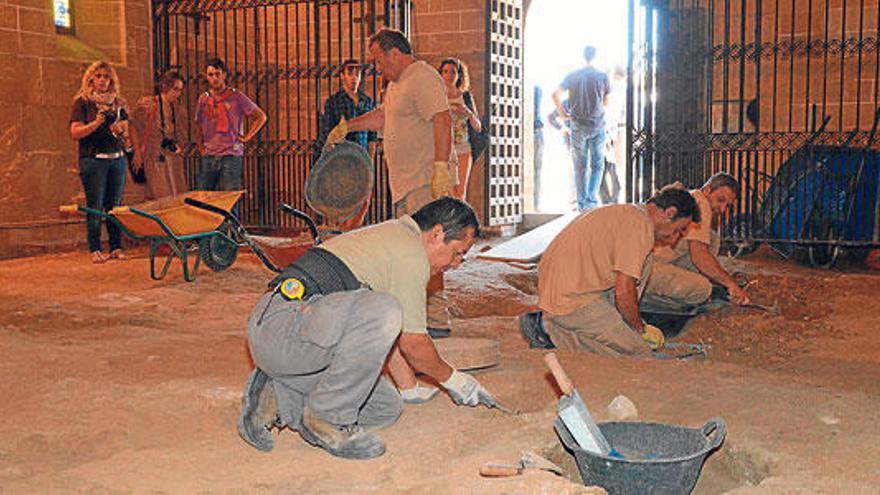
[[418, 394]]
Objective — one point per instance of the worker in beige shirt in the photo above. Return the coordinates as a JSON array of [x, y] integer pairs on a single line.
[[592, 274], [683, 273], [415, 120], [320, 337], [417, 127]]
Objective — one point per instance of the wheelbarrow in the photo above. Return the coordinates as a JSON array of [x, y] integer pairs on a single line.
[[173, 223], [196, 218]]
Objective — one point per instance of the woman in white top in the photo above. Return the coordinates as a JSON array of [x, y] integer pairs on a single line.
[[464, 114]]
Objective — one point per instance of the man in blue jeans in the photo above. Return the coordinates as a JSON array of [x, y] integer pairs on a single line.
[[220, 114], [587, 89]]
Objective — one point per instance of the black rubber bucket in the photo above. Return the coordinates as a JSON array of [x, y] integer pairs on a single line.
[[658, 458]]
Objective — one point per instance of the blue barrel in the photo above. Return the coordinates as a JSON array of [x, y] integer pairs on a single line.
[[658, 458]]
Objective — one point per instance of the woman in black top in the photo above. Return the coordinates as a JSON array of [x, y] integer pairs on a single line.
[[99, 122]]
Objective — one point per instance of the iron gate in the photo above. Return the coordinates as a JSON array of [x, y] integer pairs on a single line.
[[285, 55], [780, 93]]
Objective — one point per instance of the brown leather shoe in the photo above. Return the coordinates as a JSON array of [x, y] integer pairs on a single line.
[[346, 441]]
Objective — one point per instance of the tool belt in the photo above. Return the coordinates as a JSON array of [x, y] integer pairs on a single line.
[[319, 272]]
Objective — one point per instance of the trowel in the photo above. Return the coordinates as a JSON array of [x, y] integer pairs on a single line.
[[573, 412], [529, 460]]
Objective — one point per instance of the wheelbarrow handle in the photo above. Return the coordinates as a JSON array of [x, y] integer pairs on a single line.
[[209, 207], [313, 229], [718, 426]]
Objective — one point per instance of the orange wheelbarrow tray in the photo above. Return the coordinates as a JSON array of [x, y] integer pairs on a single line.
[[175, 223]]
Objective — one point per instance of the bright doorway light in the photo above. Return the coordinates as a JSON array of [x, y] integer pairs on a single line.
[[555, 35]]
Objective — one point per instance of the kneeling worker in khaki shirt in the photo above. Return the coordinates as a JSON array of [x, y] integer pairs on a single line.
[[683, 274], [593, 273]]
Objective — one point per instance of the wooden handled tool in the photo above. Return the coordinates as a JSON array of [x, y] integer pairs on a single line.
[[499, 470], [562, 380], [573, 412]]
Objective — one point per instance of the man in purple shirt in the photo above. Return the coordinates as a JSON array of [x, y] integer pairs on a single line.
[[220, 114]]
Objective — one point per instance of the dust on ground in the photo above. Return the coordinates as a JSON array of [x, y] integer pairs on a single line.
[[115, 383]]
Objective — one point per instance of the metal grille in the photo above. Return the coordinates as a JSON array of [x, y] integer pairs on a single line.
[[760, 89], [286, 56], [504, 86]]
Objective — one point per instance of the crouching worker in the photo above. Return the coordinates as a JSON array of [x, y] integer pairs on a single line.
[[684, 273], [593, 273], [321, 335]]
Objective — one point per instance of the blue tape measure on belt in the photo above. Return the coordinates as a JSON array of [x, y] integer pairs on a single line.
[[291, 288]]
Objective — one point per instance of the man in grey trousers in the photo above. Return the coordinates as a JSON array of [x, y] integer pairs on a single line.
[[320, 337]]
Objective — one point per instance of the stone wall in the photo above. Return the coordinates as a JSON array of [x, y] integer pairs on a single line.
[[40, 71]]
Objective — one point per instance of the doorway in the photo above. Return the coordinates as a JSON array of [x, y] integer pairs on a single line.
[[556, 32]]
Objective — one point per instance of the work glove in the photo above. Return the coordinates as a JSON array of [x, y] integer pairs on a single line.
[[337, 135], [418, 394], [440, 179], [465, 390], [653, 336]]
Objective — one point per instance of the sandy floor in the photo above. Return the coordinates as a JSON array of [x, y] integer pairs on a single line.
[[116, 383]]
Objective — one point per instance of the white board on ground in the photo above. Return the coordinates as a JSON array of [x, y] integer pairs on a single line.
[[530, 246]]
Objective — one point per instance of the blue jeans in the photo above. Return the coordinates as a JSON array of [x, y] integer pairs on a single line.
[[588, 147], [225, 170], [103, 182]]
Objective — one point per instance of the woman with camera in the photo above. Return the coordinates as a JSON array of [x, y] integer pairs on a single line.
[[99, 122], [158, 152]]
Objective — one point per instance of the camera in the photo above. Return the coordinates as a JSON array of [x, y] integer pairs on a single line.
[[109, 116], [169, 145]]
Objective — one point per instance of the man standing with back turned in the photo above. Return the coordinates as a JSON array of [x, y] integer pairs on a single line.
[[588, 91]]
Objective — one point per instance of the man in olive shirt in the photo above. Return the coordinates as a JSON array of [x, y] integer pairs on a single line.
[[593, 273], [322, 351]]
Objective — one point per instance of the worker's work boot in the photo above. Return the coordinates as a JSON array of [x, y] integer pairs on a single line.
[[531, 325], [259, 411], [346, 441]]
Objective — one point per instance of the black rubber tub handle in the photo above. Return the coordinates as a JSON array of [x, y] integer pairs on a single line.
[[718, 426]]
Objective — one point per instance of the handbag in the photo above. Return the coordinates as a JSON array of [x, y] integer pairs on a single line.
[[479, 141]]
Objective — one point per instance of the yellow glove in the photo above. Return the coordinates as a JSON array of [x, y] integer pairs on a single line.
[[337, 135], [440, 180], [653, 336]]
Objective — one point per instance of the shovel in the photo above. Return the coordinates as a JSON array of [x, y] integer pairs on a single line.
[[574, 413], [529, 460]]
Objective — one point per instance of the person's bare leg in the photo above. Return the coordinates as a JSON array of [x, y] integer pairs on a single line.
[[464, 172]]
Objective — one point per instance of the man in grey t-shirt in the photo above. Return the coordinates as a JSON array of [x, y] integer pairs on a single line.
[[588, 90]]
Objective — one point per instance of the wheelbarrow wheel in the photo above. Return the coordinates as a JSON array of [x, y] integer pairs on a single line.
[[218, 252]]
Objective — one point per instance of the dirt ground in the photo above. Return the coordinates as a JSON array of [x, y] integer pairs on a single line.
[[114, 383]]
